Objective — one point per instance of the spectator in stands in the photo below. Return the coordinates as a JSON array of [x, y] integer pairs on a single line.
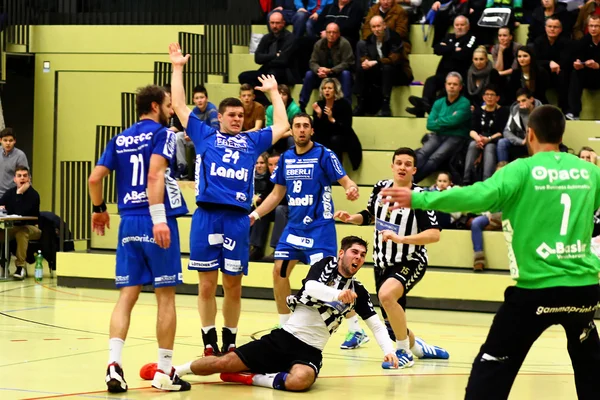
[[21, 199], [581, 25], [488, 222], [332, 117], [547, 9], [504, 53], [456, 50], [11, 158], [445, 14], [480, 75], [383, 64], [206, 112], [443, 182], [528, 75], [274, 54], [513, 144], [262, 188], [586, 73], [287, 8], [281, 212], [332, 57], [552, 51], [347, 14], [307, 15], [254, 112], [292, 109], [487, 123], [449, 122], [588, 154], [395, 18]]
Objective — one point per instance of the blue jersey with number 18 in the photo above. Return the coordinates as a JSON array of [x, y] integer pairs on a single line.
[[225, 163], [128, 154]]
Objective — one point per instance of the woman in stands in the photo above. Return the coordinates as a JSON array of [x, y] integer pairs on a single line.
[[504, 53], [481, 74], [332, 117], [528, 75], [292, 109]]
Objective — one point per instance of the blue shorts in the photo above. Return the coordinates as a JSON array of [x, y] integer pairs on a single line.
[[307, 245], [220, 239], [140, 261]]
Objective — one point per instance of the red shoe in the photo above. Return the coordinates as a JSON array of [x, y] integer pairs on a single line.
[[245, 378], [209, 351], [147, 372]]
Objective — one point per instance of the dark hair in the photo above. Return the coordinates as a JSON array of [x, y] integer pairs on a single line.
[[167, 88], [274, 154], [21, 168], [285, 89], [493, 88], [7, 132], [584, 148], [229, 102], [348, 241], [554, 18], [548, 124], [445, 173], [524, 91], [507, 28], [303, 115], [148, 95], [593, 16], [533, 66], [245, 87], [200, 89], [405, 150]]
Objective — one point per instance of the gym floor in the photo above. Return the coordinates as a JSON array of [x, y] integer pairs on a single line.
[[54, 344]]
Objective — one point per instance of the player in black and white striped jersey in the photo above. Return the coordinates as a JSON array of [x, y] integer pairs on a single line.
[[290, 358], [399, 254]]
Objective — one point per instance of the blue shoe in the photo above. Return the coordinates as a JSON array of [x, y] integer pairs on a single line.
[[405, 360], [431, 352], [354, 340]]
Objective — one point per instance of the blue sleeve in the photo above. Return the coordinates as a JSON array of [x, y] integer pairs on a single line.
[[278, 176], [333, 166], [213, 117], [198, 131], [164, 144], [109, 157], [263, 139]]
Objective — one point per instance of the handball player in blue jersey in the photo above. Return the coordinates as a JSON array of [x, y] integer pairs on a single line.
[[149, 200], [306, 172], [220, 234]]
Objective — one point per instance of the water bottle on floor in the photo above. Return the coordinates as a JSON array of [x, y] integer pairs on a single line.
[[39, 266]]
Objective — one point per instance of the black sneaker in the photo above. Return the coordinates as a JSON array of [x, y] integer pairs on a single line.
[[228, 341], [115, 379], [211, 347], [170, 383], [20, 273]]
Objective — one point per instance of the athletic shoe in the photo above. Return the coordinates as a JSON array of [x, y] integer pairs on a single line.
[[571, 117], [405, 359], [245, 378], [431, 352], [147, 371], [20, 273], [211, 346], [115, 379], [228, 341], [170, 383], [211, 350], [354, 340]]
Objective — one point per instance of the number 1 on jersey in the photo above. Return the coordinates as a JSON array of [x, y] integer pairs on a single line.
[[137, 176], [565, 200]]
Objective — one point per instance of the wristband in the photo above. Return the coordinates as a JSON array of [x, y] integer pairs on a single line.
[[158, 214], [99, 209], [255, 215]]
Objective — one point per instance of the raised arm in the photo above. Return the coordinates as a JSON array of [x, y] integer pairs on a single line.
[[280, 120], [178, 60]]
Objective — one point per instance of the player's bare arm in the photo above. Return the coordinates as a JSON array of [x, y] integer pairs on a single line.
[[268, 204], [350, 187], [100, 220], [178, 60], [156, 198], [280, 120], [422, 238]]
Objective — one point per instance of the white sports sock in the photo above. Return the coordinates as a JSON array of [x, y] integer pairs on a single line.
[[403, 345], [264, 380], [205, 329], [283, 318], [417, 350], [165, 360], [115, 349], [185, 369], [232, 330], [353, 325]]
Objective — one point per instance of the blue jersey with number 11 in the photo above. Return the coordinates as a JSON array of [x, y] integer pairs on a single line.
[[128, 154]]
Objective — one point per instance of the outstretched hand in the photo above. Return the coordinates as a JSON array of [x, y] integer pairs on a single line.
[[268, 83], [176, 56]]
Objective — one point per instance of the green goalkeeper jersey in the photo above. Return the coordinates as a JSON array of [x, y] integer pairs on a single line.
[[547, 203]]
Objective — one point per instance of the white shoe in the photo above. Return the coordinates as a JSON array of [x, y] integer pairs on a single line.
[[20, 273], [170, 383]]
